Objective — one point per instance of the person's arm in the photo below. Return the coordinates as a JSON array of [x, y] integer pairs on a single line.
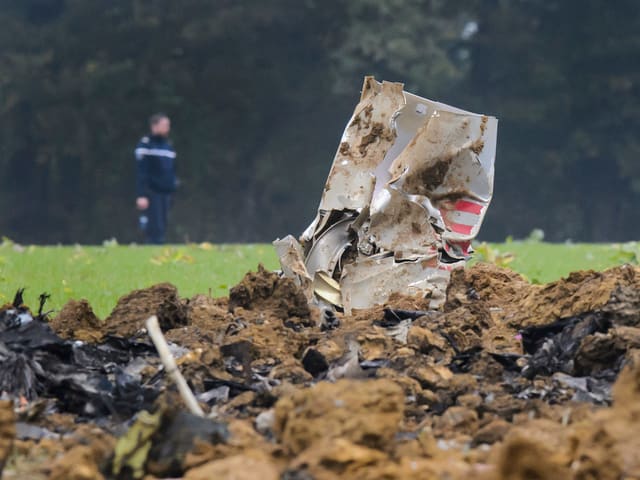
[[142, 176]]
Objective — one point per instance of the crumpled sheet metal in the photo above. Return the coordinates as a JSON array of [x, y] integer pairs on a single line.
[[407, 192]]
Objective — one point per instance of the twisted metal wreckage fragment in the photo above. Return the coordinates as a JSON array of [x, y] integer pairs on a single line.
[[407, 192]]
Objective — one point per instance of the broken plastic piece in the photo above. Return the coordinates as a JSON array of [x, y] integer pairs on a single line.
[[158, 442], [132, 449], [407, 192]]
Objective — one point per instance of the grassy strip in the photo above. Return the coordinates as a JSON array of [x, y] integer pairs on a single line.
[[103, 274]]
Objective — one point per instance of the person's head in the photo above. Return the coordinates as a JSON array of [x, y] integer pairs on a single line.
[[160, 124]]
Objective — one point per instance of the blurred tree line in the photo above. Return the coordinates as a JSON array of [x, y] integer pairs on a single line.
[[259, 92]]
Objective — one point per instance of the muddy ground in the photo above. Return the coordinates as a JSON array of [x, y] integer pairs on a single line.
[[510, 381]]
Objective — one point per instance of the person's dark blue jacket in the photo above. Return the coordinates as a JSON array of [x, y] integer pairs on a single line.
[[155, 166]]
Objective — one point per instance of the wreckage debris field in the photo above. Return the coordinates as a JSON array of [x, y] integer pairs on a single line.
[[509, 380]]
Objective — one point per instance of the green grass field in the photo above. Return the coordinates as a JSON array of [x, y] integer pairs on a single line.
[[103, 274]]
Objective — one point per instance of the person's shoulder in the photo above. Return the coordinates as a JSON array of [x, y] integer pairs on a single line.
[[142, 148]]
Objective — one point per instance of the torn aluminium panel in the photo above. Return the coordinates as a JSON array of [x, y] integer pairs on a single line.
[[407, 192]]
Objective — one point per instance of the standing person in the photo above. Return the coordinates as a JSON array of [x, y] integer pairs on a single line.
[[155, 178]]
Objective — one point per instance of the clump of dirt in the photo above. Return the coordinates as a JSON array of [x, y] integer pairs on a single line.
[[509, 381], [77, 464], [87, 451], [207, 312], [522, 458], [485, 284], [265, 290], [341, 410], [133, 309], [209, 322], [504, 302], [247, 466], [580, 292], [77, 320]]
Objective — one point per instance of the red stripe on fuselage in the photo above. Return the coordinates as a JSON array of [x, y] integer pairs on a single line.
[[460, 228], [468, 207]]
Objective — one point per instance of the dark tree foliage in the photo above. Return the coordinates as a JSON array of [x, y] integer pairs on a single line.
[[564, 78], [259, 92]]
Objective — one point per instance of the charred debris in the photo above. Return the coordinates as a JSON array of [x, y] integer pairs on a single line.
[[464, 375]]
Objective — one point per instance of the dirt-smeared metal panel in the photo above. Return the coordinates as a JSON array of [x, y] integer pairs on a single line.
[[365, 142], [407, 192]]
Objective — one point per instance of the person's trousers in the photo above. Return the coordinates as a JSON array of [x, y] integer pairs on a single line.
[[157, 213]]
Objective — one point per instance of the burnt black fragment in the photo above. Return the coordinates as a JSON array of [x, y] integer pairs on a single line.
[[18, 314], [20, 373], [472, 294], [374, 364], [394, 316], [128, 394], [553, 347], [329, 321], [238, 357], [35, 334], [18, 299], [295, 474], [235, 388], [510, 361], [112, 350], [295, 326], [240, 350], [90, 380], [176, 438], [534, 337], [42, 300], [462, 361], [587, 389], [450, 340], [314, 362]]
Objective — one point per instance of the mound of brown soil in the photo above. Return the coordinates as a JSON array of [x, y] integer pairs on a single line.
[[265, 290], [132, 310], [510, 381], [76, 320]]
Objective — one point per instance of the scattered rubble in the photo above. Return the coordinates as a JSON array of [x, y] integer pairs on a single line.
[[507, 381]]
